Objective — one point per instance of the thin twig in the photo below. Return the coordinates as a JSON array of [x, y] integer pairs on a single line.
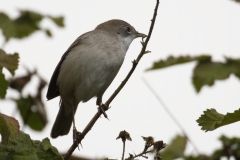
[[170, 114], [123, 150], [106, 105], [135, 62], [141, 154]]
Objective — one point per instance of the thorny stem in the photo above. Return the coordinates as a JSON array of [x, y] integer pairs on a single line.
[[106, 105]]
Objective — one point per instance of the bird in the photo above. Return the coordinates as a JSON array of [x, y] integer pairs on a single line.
[[87, 68]]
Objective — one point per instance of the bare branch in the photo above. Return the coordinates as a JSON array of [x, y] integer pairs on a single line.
[[123, 150], [107, 103]]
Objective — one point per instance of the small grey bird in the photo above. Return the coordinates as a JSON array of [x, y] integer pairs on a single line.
[[87, 68]]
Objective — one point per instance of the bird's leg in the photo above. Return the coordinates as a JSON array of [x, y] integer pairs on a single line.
[[75, 132], [74, 126], [100, 104]]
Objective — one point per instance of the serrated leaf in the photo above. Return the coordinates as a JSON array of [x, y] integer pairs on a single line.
[[22, 147], [3, 85], [8, 126], [175, 149], [9, 61], [170, 61], [46, 147], [57, 20], [212, 120]]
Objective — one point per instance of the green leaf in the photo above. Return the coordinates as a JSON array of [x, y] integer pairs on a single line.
[[226, 141], [230, 150], [170, 61], [8, 126], [31, 113], [3, 85], [48, 32], [57, 20], [198, 157], [22, 147], [205, 73], [231, 118], [25, 24], [212, 120], [7, 26], [217, 154], [9, 61], [175, 149], [31, 108], [47, 151], [231, 146]]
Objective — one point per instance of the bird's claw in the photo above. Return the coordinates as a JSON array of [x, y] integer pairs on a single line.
[[102, 110], [76, 135]]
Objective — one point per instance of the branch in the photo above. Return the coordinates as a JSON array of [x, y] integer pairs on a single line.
[[123, 150], [106, 105], [142, 154], [149, 142], [135, 62]]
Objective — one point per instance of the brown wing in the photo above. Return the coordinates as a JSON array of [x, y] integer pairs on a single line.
[[53, 90]]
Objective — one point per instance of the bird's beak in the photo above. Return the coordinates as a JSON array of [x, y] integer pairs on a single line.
[[140, 35]]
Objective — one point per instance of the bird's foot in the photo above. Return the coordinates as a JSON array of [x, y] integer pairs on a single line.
[[102, 108], [76, 137]]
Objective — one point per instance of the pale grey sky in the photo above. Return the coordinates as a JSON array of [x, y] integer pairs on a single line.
[[183, 27]]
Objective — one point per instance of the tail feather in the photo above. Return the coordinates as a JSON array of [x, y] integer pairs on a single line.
[[62, 123]]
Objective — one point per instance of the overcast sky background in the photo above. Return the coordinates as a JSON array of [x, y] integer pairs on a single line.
[[182, 27]]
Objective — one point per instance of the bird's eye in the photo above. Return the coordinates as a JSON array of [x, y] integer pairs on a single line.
[[128, 29]]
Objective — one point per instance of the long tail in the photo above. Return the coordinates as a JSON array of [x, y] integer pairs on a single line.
[[62, 123]]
